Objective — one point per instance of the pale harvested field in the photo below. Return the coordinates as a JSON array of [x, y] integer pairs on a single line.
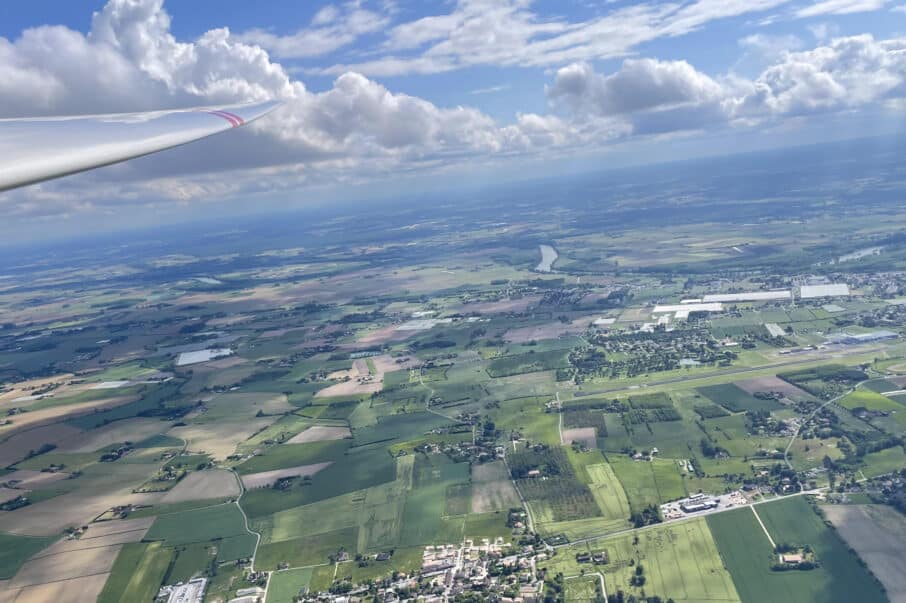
[[361, 380], [320, 433], [199, 485], [102, 534], [383, 335], [386, 363], [492, 489], [130, 430], [901, 380], [65, 566], [77, 590], [584, 435], [878, 534], [504, 306], [29, 387], [635, 315], [16, 447], [353, 387], [551, 330], [773, 384], [54, 414], [344, 374], [99, 489], [266, 478], [219, 439], [9, 494], [28, 479]]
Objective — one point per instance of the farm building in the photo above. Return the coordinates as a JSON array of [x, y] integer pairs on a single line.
[[711, 307], [853, 339], [698, 502], [749, 296], [831, 290]]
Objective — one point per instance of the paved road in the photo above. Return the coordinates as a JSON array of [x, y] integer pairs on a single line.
[[786, 451]]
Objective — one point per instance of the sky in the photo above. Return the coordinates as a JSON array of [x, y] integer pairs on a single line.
[[389, 98]]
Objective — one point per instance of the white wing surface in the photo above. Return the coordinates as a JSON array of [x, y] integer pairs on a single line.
[[36, 149]]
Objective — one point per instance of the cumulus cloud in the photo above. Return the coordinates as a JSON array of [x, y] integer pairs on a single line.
[[672, 95], [358, 129], [641, 84], [130, 61]]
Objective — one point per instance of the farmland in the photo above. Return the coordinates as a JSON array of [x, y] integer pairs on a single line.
[[748, 555], [408, 379]]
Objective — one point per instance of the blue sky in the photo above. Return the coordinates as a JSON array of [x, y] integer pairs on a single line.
[[389, 95]]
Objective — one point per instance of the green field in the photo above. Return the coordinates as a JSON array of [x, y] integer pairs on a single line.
[[735, 399], [14, 550], [309, 550], [648, 483], [355, 470], [507, 366], [222, 522], [884, 461], [679, 561], [865, 398], [137, 573], [422, 521], [748, 556], [285, 585]]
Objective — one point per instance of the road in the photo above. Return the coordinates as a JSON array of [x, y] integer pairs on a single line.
[[246, 519], [786, 451], [761, 523], [528, 511]]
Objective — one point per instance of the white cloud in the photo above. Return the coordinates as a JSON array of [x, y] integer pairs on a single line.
[[358, 129], [840, 7], [660, 96], [899, 9], [823, 31], [507, 33], [332, 29], [771, 45], [130, 61], [640, 85], [490, 89]]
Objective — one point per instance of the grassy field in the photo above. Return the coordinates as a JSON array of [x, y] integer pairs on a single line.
[[519, 364], [865, 398], [594, 471], [203, 525], [426, 503], [191, 560], [14, 550], [884, 461], [285, 585], [356, 470], [308, 550], [748, 556], [735, 399], [679, 561], [137, 573], [648, 483]]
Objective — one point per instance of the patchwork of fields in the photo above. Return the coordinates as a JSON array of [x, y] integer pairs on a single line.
[[398, 383]]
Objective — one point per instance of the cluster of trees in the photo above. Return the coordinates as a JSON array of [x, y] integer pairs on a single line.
[[646, 517]]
